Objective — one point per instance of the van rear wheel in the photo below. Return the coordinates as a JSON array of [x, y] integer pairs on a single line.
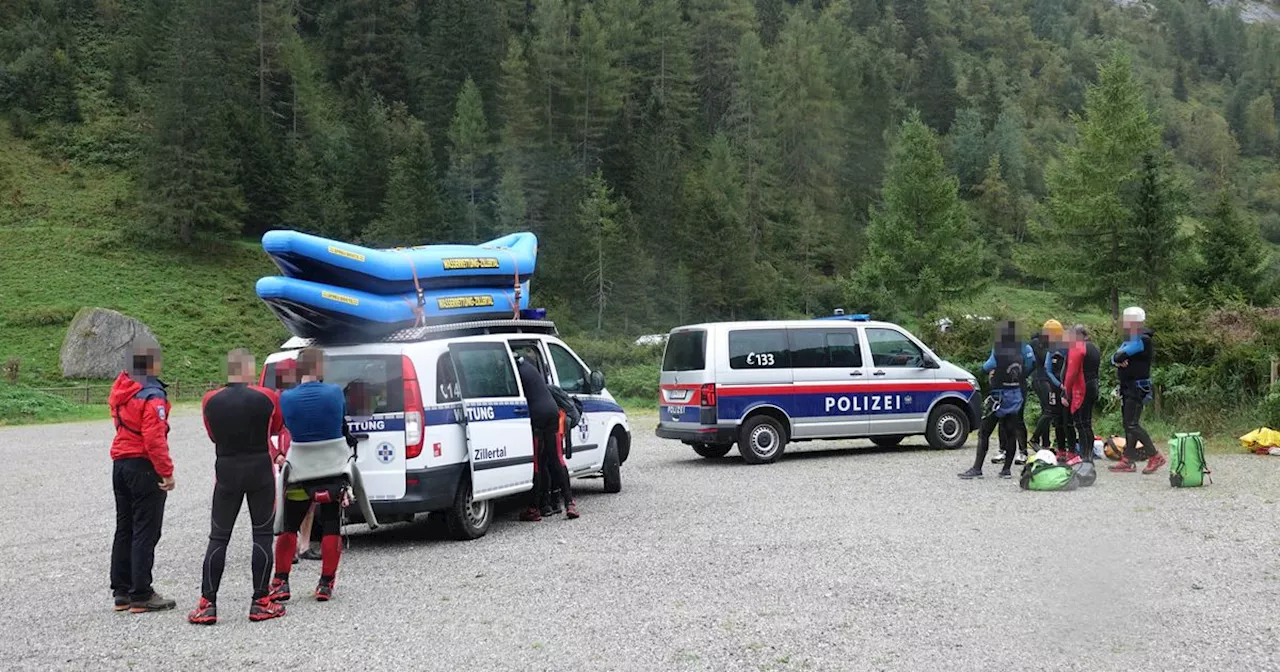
[[712, 451], [468, 519], [948, 427], [761, 440]]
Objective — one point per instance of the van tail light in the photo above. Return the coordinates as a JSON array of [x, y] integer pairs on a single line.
[[707, 393], [414, 426]]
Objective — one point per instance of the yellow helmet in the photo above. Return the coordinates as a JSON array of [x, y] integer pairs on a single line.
[[1053, 329]]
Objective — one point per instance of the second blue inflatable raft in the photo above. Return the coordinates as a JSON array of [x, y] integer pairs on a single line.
[[504, 262], [317, 310]]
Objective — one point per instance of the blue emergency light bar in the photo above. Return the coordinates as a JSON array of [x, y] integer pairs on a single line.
[[859, 317], [533, 314]]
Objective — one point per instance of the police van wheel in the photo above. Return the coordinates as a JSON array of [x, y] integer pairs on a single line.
[[712, 451], [887, 441], [761, 440], [468, 519], [948, 427], [612, 467]]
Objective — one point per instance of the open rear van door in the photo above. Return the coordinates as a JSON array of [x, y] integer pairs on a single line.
[[496, 417]]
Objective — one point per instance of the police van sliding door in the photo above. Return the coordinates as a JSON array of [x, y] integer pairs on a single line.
[[496, 417], [830, 382]]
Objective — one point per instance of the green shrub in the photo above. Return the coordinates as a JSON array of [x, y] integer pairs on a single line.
[[22, 404], [637, 382], [1269, 409], [41, 316], [608, 355]]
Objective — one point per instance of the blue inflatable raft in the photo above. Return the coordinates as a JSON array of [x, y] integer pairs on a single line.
[[315, 310], [498, 263]]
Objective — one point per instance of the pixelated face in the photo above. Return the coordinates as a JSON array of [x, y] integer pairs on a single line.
[[286, 378], [1131, 325]]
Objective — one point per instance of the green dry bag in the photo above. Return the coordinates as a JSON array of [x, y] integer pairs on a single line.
[[1039, 476], [1187, 468]]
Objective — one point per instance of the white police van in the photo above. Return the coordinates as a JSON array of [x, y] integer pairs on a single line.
[[443, 423], [763, 384]]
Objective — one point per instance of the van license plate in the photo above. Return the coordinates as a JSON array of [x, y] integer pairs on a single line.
[[679, 395]]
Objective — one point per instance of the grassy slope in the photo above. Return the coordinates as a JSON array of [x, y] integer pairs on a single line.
[[60, 249]]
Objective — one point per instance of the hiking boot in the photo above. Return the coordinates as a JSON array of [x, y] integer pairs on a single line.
[[547, 511], [571, 511], [1154, 464], [206, 613], [324, 589], [1123, 465], [973, 472], [156, 602], [121, 599], [279, 590], [263, 609], [555, 507], [531, 515], [1005, 473], [999, 458]]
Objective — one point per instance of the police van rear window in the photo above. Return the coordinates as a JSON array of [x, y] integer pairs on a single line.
[[372, 383], [686, 351]]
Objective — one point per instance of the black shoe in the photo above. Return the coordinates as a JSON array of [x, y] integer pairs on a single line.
[[1005, 473], [972, 473], [546, 511], [156, 602], [310, 554]]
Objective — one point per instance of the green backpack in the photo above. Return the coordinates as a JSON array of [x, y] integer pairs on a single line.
[[1187, 467], [1041, 476]]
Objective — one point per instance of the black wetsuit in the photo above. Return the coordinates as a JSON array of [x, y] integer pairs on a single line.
[[1135, 392], [240, 419], [550, 472], [1040, 385], [1055, 365]]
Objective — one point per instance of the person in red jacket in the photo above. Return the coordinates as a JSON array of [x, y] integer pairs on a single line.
[[142, 476]]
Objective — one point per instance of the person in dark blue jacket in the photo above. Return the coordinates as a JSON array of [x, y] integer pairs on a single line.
[[1133, 367], [1055, 371], [313, 411], [1010, 359]]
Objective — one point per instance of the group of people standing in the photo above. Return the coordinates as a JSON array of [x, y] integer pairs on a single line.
[[252, 429], [1063, 367]]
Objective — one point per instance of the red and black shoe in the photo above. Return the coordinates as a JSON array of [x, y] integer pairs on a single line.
[[571, 511], [1123, 466], [1153, 465], [205, 613], [263, 609], [531, 515], [279, 590], [324, 590]]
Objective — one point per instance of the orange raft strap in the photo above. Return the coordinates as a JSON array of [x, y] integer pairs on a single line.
[[419, 313], [516, 293]]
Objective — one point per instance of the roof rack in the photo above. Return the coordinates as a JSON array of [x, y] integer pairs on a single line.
[[439, 331]]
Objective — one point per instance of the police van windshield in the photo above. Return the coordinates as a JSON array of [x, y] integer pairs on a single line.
[[686, 351]]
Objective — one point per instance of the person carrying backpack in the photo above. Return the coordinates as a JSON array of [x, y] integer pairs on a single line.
[[1133, 367], [1010, 357], [550, 472]]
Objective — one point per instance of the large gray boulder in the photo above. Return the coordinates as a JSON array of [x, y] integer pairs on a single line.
[[99, 341]]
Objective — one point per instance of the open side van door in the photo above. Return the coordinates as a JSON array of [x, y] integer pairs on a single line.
[[496, 418]]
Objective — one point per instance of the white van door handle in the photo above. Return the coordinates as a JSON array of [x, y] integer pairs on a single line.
[[878, 373], [855, 373]]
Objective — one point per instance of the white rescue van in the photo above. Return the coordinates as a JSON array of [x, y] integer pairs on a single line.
[[445, 426]]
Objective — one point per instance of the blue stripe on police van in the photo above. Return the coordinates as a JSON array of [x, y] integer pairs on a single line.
[[600, 406], [826, 405]]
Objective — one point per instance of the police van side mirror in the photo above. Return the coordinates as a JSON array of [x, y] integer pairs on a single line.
[[596, 382], [931, 363]]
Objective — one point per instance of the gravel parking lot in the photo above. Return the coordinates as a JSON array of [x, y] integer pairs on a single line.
[[837, 558]]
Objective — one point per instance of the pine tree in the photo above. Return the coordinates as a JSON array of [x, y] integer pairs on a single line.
[[807, 116], [371, 43], [464, 40], [552, 54], [969, 154], [518, 145], [751, 131], [1179, 84], [412, 213], [773, 16], [1000, 216], [1088, 189], [468, 157], [1231, 256], [189, 184], [597, 220], [1156, 240], [920, 241], [594, 88], [1007, 141], [366, 172], [1260, 126], [316, 200], [935, 94], [718, 27], [721, 246], [667, 62]]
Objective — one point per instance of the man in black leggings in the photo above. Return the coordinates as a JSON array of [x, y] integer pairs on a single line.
[[550, 473], [240, 420]]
